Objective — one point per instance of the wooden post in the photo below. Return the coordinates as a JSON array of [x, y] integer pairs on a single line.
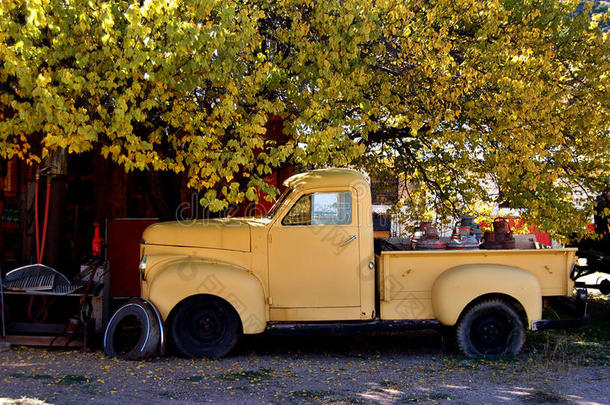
[[56, 254]]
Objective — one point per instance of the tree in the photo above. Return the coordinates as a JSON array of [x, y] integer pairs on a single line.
[[160, 85], [509, 94], [457, 97], [442, 93]]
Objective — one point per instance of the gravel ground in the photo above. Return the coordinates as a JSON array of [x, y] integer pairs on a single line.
[[410, 368]]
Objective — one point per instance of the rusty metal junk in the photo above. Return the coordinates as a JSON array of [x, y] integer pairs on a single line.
[[465, 234], [38, 279], [475, 229], [427, 238], [501, 237], [463, 238]]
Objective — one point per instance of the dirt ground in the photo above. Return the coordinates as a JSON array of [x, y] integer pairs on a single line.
[[408, 368]]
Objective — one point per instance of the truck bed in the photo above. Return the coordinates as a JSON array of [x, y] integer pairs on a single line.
[[405, 278]]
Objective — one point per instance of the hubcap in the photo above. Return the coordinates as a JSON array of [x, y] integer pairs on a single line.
[[207, 325], [127, 334], [490, 334]]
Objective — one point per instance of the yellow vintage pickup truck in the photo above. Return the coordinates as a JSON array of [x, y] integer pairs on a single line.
[[310, 265]]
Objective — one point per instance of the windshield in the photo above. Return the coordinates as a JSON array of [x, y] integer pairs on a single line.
[[278, 203]]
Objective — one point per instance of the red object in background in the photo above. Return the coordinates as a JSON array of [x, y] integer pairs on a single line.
[[251, 209], [518, 225], [274, 132], [124, 236], [96, 243]]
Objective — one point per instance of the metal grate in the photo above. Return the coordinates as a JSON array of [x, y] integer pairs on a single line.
[[39, 279], [62, 289], [38, 283]]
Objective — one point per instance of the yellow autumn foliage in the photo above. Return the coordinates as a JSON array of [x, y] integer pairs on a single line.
[[442, 93]]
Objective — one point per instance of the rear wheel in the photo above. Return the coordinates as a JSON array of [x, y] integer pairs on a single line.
[[490, 328], [205, 326]]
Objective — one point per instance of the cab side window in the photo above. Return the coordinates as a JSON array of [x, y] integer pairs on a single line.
[[321, 209]]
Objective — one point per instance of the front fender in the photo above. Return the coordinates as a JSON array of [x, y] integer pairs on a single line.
[[181, 279], [454, 289]]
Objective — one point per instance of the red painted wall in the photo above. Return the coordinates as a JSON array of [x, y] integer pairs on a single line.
[[124, 236]]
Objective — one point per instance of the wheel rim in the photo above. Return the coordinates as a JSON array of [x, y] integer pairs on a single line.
[[490, 334], [127, 334], [207, 326]]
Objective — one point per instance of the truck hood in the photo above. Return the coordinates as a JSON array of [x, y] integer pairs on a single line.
[[225, 233]]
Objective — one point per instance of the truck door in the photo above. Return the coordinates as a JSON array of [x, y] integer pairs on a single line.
[[314, 259]]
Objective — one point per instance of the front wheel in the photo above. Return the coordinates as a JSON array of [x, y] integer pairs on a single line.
[[490, 328], [205, 326]]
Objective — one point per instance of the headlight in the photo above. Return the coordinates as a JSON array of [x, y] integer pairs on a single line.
[[142, 267]]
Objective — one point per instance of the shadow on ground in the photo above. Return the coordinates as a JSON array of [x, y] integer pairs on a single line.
[[411, 343]]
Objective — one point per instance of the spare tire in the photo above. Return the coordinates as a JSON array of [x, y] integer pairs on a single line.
[[133, 332]]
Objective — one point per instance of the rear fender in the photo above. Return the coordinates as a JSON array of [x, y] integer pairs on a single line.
[[184, 278], [457, 287]]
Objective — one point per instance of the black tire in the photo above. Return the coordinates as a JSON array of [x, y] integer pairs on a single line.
[[205, 326], [490, 328], [133, 332]]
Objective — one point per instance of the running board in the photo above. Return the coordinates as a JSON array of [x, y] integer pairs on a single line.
[[348, 328], [572, 323]]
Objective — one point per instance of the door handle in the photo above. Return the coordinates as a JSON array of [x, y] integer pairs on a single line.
[[351, 238]]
